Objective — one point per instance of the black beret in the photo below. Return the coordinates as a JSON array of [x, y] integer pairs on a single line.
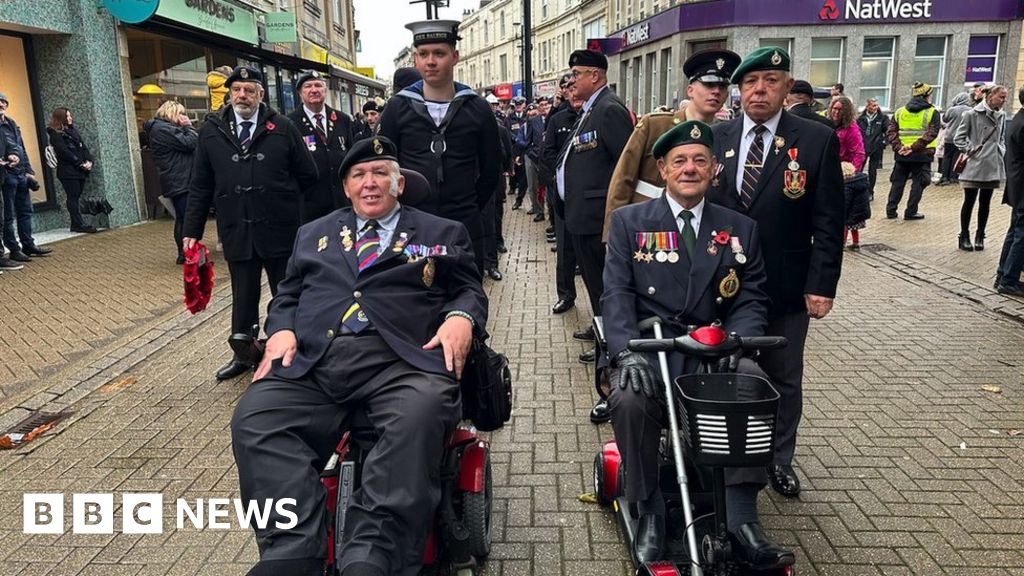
[[766, 58], [564, 80], [244, 74], [689, 132], [434, 32], [711, 66], [376, 148], [588, 58], [802, 87], [403, 78], [371, 106], [307, 76]]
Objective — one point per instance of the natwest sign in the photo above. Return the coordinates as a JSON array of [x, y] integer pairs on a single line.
[[877, 10], [637, 34]]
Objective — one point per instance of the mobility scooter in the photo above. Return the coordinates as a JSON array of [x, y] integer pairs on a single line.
[[727, 420]]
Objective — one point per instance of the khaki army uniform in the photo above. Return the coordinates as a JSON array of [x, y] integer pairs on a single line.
[[636, 176]]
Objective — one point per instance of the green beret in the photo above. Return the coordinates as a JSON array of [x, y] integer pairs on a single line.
[[689, 132], [767, 58]]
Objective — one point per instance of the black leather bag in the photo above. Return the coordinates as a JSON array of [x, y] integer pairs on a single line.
[[486, 388]]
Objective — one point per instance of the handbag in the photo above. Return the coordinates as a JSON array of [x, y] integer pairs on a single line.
[[51, 154], [961, 160], [486, 387]]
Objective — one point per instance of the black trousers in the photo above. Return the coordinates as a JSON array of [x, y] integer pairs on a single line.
[[565, 255], [638, 421], [283, 432], [919, 174], [490, 234], [950, 153], [590, 253], [73, 190], [245, 288], [785, 370], [874, 163]]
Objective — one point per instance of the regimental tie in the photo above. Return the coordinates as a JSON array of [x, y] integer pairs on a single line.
[[245, 135], [320, 127], [367, 250], [689, 235], [752, 167]]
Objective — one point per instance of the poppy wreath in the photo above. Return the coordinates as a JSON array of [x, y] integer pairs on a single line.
[[198, 275]]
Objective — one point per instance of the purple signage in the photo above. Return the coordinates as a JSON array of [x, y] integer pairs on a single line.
[[980, 69], [727, 13]]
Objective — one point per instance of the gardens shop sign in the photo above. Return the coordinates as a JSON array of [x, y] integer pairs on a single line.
[[216, 16]]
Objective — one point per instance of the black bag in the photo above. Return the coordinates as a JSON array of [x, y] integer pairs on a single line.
[[486, 388]]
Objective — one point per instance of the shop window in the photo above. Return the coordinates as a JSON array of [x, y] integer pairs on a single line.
[[594, 29], [544, 9], [666, 73], [876, 71], [651, 82], [982, 59], [826, 61], [716, 44], [784, 43], [930, 64], [503, 64], [14, 78]]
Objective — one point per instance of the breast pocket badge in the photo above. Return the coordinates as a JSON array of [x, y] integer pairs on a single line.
[[730, 285], [586, 141], [794, 180]]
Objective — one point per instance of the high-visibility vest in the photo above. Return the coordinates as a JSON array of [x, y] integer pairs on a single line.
[[913, 125]]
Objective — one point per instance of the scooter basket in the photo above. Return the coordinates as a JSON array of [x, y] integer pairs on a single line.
[[729, 419]]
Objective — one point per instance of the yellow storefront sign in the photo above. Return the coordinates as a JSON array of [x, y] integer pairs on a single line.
[[314, 52]]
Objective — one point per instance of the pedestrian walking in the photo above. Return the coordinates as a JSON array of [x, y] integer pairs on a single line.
[[858, 204], [950, 122], [327, 134], [913, 136], [873, 124], [516, 124], [636, 177], [74, 164], [446, 132], [531, 158], [173, 141], [851, 142], [252, 164], [18, 183], [1011, 259], [784, 172], [981, 138], [801, 101]]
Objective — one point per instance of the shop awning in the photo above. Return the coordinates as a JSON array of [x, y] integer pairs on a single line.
[[357, 78]]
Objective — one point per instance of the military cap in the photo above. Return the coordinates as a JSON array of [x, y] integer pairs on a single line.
[[565, 80], [802, 87], [244, 74], [921, 89], [519, 100], [588, 58], [531, 107], [711, 66], [405, 77], [366, 150], [491, 98], [434, 32], [307, 76], [689, 132], [371, 106], [767, 58]]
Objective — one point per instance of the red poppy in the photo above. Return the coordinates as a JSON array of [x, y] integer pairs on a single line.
[[334, 117], [197, 273], [270, 126], [722, 238]]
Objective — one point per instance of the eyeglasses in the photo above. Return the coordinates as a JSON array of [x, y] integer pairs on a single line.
[[578, 73]]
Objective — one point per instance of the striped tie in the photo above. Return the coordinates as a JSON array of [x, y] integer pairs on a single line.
[[245, 136], [367, 246], [752, 168]]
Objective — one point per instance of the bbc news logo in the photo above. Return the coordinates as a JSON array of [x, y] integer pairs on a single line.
[[144, 513]]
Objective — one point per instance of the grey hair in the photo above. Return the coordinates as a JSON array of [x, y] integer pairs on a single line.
[[394, 173]]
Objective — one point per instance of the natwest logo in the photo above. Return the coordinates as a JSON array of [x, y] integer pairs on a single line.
[[877, 10], [637, 34]]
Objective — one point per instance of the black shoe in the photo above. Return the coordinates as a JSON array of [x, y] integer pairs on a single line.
[[584, 335], [914, 216], [562, 306], [8, 264], [19, 256], [247, 348], [493, 274], [979, 241], [84, 229], [964, 242], [650, 538], [1010, 289], [999, 280], [531, 211], [37, 250], [517, 205], [600, 413], [501, 248], [554, 248], [589, 356], [757, 550], [550, 230], [890, 215], [233, 368], [578, 271], [180, 260], [784, 480], [539, 217], [853, 247], [551, 238]]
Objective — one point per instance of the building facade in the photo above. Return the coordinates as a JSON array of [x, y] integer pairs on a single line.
[[874, 50]]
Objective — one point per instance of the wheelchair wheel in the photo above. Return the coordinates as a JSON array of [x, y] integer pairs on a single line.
[[599, 481], [476, 516]]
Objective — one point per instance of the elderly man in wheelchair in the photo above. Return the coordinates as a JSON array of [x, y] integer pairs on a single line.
[[374, 318], [689, 263]]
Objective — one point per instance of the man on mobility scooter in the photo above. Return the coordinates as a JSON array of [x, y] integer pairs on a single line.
[[689, 263], [375, 315]]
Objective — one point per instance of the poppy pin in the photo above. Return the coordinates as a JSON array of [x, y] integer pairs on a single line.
[[271, 126]]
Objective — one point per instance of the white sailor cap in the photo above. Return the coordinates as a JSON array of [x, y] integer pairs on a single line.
[[434, 32]]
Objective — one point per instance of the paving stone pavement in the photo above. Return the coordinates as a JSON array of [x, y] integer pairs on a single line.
[[907, 463]]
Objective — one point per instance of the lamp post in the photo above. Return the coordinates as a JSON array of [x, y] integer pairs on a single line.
[[527, 52]]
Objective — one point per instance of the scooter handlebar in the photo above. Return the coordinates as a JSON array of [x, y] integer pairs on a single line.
[[687, 345], [763, 342]]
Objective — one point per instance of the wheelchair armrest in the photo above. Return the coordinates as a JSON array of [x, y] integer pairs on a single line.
[[599, 332]]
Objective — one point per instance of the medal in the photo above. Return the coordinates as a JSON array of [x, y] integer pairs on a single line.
[[779, 143], [730, 285], [660, 256], [741, 258], [673, 257], [638, 256], [346, 238], [400, 243], [321, 244], [428, 273]]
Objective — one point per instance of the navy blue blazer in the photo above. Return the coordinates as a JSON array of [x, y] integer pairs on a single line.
[[402, 299], [683, 292]]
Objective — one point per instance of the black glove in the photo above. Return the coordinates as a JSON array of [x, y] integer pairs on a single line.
[[637, 372], [729, 364]]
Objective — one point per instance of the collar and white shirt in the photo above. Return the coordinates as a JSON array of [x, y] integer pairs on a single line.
[[312, 116], [385, 227], [677, 209], [560, 172], [747, 138], [238, 123]]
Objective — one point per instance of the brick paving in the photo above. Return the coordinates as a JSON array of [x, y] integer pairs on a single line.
[[907, 464]]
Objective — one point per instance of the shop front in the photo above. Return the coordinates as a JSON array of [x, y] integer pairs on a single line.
[[875, 48]]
